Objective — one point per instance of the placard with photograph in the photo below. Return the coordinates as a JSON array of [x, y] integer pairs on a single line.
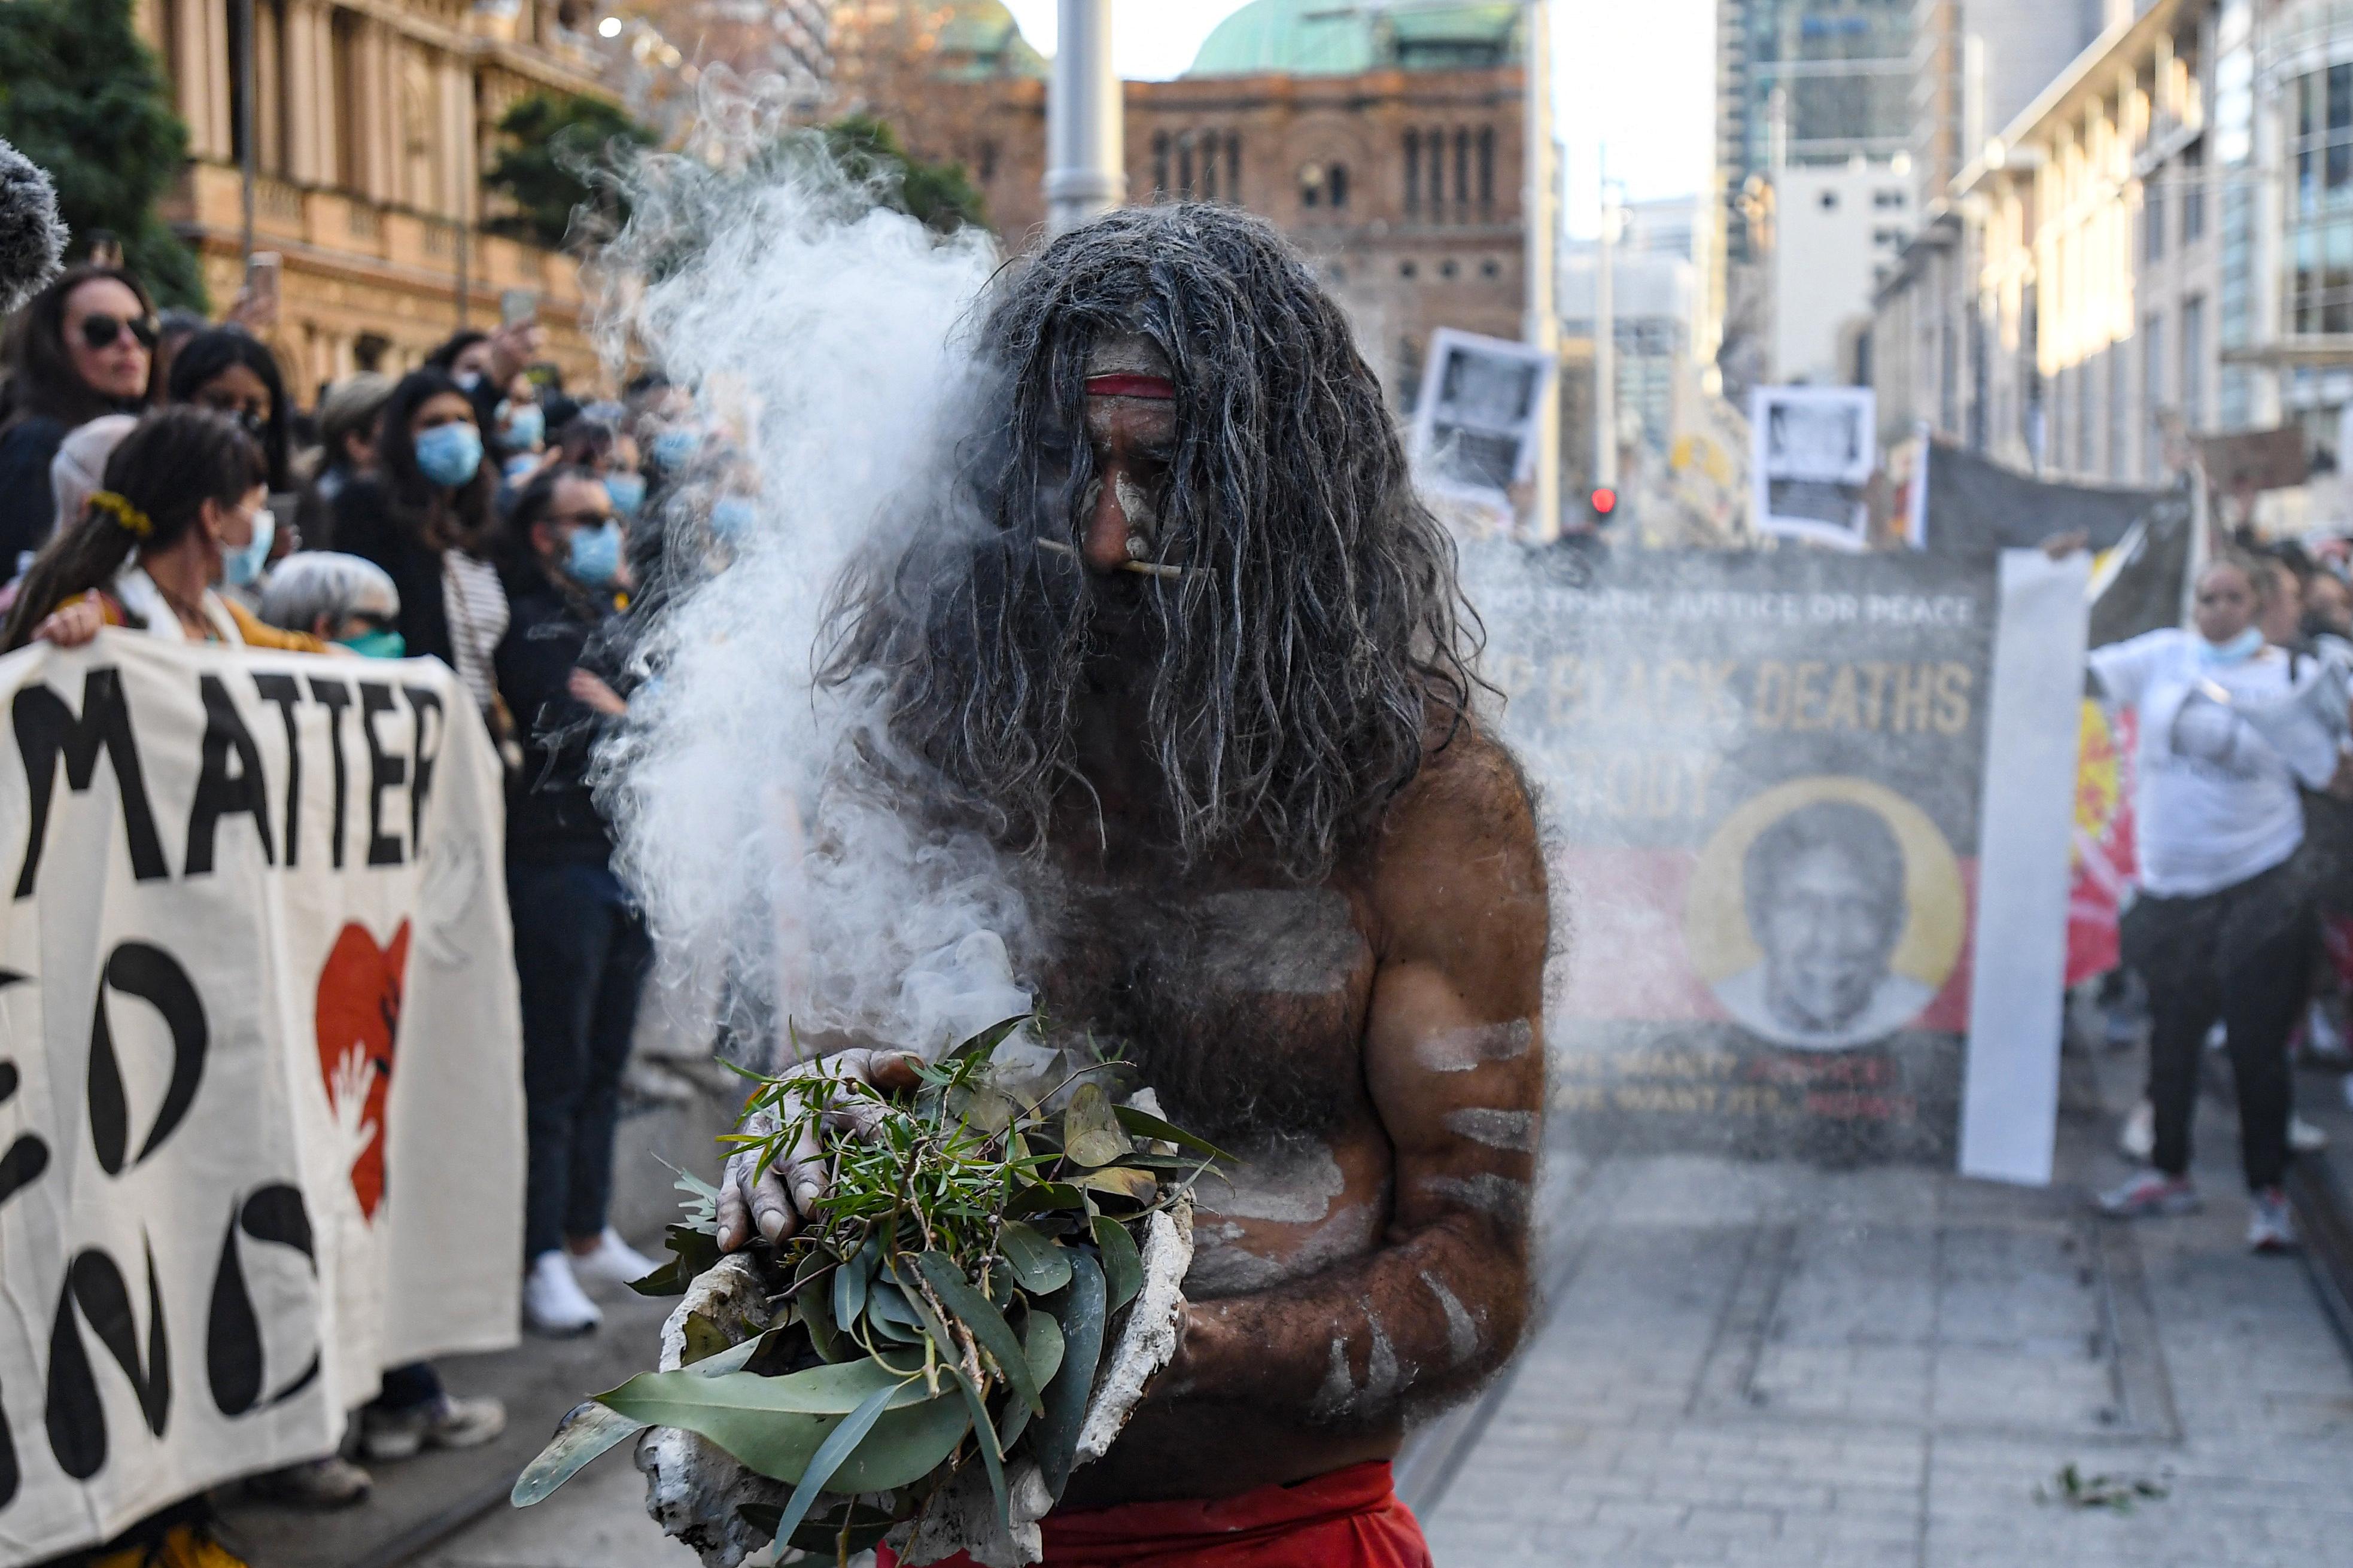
[[1814, 450], [1474, 429]]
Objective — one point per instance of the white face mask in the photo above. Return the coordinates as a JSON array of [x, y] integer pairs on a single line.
[[2238, 651]]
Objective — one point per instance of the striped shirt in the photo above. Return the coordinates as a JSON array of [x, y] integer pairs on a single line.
[[477, 610]]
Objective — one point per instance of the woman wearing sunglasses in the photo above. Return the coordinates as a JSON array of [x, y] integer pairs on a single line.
[[83, 348]]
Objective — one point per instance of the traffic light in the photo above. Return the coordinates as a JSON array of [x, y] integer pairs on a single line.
[[1604, 502]]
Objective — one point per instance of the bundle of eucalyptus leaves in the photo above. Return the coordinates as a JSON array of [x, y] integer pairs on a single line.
[[948, 1301]]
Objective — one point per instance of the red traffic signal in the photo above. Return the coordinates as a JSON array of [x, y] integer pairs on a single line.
[[1605, 502]]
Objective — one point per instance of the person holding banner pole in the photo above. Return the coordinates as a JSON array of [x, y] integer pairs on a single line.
[[582, 952], [352, 604], [181, 511], [2224, 926]]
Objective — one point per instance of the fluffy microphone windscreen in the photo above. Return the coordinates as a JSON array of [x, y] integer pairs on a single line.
[[32, 236]]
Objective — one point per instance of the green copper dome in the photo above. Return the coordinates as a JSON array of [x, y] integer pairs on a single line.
[[979, 39], [1343, 37]]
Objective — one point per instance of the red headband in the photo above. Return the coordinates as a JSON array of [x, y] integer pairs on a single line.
[[1158, 388]]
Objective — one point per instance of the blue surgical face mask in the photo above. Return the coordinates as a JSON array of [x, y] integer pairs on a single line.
[[675, 447], [526, 427], [242, 567], [595, 554], [450, 454], [520, 466], [381, 644], [731, 517], [2238, 651], [628, 492]]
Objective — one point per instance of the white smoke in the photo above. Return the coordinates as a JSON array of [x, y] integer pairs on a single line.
[[832, 340]]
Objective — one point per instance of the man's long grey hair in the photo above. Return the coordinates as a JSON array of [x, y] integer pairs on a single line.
[[1297, 677]]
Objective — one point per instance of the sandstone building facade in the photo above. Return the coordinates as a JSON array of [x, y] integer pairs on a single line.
[[372, 123]]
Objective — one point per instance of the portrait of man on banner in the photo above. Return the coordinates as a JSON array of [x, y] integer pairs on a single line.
[[1843, 895]]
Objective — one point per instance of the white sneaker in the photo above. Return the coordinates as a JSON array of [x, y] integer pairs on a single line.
[[2137, 1142], [553, 1303], [2304, 1137], [2270, 1225], [613, 1262]]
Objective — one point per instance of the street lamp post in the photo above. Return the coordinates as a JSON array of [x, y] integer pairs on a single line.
[[1605, 342], [1541, 218], [248, 159], [1085, 144]]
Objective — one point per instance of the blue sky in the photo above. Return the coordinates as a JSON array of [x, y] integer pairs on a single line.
[[1634, 73]]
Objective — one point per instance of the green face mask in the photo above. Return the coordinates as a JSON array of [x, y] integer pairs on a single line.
[[376, 645]]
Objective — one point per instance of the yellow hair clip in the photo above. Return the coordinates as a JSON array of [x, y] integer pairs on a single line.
[[130, 518]]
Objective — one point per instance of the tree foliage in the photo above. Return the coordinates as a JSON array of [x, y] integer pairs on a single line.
[[82, 96], [939, 195], [556, 146]]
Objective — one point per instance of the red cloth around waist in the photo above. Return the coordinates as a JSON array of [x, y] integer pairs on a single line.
[[1349, 1519]]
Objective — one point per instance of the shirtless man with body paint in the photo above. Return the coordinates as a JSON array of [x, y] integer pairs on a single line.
[[1206, 669]]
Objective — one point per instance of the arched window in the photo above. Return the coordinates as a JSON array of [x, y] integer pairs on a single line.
[[1160, 162], [1234, 167], [1210, 166], [1336, 185], [1461, 166], [1486, 166], [1185, 162], [1412, 174]]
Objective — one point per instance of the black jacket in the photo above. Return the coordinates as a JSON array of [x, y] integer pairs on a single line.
[[551, 813], [365, 525], [28, 508]]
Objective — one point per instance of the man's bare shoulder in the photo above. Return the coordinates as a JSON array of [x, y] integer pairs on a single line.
[[1462, 840]]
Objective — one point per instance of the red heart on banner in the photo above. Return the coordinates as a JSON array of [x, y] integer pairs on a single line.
[[358, 1019]]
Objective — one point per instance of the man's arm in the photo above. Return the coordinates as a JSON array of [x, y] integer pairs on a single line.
[[1454, 1065]]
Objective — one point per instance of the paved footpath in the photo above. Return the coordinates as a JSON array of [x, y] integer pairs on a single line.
[[1747, 1364], [1769, 1365]]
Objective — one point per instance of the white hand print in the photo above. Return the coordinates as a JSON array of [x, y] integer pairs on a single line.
[[348, 1092]]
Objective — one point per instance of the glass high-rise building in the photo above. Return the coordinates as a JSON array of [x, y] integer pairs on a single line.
[[1807, 82]]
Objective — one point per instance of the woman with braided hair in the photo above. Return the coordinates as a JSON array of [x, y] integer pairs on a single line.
[[181, 511]]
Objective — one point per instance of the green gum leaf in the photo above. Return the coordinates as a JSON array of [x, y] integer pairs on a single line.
[[588, 1431], [987, 1323], [776, 1425], [830, 1456], [987, 1040], [1057, 1442], [1090, 1132], [1144, 1125], [1041, 1266], [1123, 1266], [985, 1439]]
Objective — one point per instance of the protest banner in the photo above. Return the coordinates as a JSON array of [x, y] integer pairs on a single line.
[[1807, 818], [260, 1100]]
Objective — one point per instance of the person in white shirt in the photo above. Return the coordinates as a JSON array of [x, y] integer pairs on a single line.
[[2224, 925]]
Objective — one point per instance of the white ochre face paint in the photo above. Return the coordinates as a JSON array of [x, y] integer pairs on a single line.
[[1143, 522], [1459, 1051]]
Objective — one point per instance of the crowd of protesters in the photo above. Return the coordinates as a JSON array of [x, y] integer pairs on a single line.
[[157, 476], [2244, 829]]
